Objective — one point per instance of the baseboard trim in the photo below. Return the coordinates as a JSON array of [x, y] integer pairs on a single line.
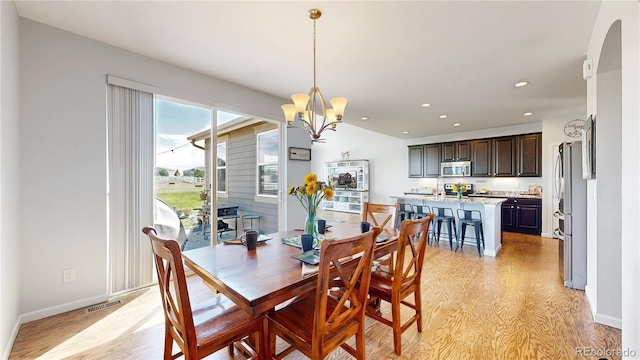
[[608, 320], [59, 309], [493, 253], [591, 298], [547, 235], [14, 334]]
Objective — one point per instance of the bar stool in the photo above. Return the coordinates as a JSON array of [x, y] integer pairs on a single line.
[[421, 211], [444, 215], [474, 218], [405, 212], [250, 217]]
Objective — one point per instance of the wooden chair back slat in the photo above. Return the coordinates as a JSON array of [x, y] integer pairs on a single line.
[[373, 213]]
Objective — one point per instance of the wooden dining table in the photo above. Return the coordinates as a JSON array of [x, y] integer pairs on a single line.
[[258, 280]]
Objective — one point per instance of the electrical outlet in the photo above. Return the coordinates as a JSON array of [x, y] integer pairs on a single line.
[[69, 275]]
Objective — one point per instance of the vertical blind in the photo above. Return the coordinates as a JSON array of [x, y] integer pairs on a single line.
[[130, 187]]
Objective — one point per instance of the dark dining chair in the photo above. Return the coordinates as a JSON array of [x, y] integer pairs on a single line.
[[396, 284], [318, 323], [203, 328]]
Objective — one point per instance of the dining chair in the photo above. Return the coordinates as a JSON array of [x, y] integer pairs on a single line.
[[379, 215], [318, 323], [395, 284], [206, 327]]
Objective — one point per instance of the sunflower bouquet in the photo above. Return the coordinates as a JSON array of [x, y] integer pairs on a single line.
[[459, 188], [310, 194]]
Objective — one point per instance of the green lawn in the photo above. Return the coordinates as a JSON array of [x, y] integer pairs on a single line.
[[181, 196], [184, 201]]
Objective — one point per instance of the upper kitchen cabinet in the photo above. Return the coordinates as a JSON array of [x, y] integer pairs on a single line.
[[504, 156], [424, 161], [481, 157], [456, 151], [530, 155], [416, 156], [431, 160]]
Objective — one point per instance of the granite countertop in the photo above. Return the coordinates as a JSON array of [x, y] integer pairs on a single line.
[[506, 194], [465, 199]]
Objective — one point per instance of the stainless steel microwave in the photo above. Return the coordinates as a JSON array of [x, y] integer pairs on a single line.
[[456, 168]]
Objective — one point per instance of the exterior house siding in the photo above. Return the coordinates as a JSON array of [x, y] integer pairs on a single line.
[[242, 179]]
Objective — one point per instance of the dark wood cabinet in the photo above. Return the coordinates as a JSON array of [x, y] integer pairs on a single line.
[[481, 157], [522, 216], [431, 160], [509, 216], [424, 161], [530, 155], [456, 151], [416, 154], [504, 156], [507, 156]]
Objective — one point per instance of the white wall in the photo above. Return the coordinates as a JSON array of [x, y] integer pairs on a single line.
[[63, 155], [628, 13], [552, 135], [387, 158], [10, 202]]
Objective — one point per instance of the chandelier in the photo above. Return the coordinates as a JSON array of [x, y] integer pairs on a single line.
[[309, 108]]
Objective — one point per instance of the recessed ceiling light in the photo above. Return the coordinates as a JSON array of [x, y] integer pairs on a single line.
[[528, 114], [456, 124], [426, 105], [443, 116], [521, 84], [405, 132], [365, 118]]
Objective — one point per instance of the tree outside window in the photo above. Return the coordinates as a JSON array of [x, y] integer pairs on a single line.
[[267, 143]]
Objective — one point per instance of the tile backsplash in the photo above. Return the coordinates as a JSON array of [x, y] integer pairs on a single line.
[[512, 184]]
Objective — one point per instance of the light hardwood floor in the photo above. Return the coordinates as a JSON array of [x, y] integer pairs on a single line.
[[513, 306]]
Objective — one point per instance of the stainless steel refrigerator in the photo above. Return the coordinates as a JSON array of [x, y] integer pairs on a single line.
[[571, 196]]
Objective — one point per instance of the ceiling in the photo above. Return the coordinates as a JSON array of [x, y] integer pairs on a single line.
[[386, 57]]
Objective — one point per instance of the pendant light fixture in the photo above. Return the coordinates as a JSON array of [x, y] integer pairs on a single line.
[[311, 108]]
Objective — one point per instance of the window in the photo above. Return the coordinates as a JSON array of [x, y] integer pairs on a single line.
[[221, 166], [267, 143]]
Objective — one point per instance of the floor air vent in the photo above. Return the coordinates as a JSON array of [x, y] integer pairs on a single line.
[[106, 305]]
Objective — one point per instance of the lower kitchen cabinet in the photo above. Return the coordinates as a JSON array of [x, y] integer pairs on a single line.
[[522, 216]]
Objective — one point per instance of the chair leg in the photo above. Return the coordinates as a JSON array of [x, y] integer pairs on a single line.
[[478, 238], [463, 230], [397, 326], [418, 304], [168, 344], [450, 235], [360, 352]]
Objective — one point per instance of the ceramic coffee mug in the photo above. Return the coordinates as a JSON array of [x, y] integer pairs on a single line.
[[321, 226], [306, 240], [251, 238], [365, 226]]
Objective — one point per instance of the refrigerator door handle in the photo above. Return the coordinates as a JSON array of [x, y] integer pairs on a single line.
[[556, 177], [558, 215], [557, 234]]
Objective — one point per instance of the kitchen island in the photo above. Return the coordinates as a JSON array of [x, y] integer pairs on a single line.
[[490, 208]]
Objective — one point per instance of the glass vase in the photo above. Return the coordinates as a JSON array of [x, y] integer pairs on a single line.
[[311, 224], [459, 195]]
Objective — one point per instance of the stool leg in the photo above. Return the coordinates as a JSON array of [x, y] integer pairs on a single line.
[[437, 238], [482, 234], [450, 236], [463, 230], [478, 238]]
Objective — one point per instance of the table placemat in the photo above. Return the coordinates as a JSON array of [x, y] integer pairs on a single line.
[[295, 240]]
